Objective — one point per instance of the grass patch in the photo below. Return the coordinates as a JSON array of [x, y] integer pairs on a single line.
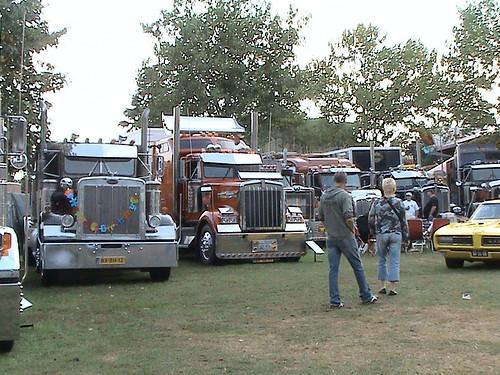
[[262, 319]]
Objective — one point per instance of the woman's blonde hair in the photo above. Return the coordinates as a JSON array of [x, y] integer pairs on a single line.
[[389, 187]]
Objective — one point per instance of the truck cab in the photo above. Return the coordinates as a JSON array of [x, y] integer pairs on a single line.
[[227, 206]]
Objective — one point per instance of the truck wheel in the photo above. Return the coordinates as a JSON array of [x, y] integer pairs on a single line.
[[206, 246], [48, 277], [159, 274], [6, 346], [454, 263]]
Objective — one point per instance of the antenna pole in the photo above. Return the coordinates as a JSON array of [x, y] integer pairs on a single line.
[[22, 65]]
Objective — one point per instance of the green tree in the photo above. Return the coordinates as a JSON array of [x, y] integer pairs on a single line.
[[472, 68], [38, 77], [383, 90], [222, 58]]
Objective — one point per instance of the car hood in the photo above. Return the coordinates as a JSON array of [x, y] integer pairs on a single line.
[[483, 227]]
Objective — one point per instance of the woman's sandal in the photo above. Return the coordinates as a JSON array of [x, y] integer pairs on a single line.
[[393, 293], [382, 291]]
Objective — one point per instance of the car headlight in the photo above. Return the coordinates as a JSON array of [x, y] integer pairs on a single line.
[[154, 221], [491, 240], [67, 221], [455, 240]]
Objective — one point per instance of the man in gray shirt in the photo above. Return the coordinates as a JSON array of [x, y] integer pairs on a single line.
[[336, 211]]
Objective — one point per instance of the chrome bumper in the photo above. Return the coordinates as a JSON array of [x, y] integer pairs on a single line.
[[9, 310], [244, 245], [132, 255]]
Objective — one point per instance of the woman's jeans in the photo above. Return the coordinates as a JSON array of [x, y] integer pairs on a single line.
[[349, 247], [388, 244]]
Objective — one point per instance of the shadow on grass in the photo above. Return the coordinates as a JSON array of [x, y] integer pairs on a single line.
[[481, 266]]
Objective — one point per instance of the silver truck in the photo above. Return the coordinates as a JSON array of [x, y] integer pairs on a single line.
[[96, 206]]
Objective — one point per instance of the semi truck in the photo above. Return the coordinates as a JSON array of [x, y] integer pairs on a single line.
[[228, 208], [474, 173], [371, 161], [96, 206], [12, 158], [316, 171]]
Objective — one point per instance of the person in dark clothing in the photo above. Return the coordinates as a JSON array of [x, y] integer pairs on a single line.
[[337, 212], [431, 208], [59, 202]]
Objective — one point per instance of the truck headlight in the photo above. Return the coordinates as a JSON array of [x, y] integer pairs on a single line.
[[294, 215], [67, 221], [154, 221]]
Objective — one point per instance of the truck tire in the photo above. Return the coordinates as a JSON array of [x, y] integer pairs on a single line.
[[454, 263], [6, 346], [206, 246], [48, 277], [159, 274]]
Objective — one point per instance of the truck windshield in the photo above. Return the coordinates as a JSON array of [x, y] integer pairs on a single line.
[[487, 211], [486, 174], [410, 183], [99, 167], [226, 171], [326, 180]]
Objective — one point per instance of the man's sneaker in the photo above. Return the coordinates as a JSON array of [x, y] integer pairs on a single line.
[[334, 306], [371, 300]]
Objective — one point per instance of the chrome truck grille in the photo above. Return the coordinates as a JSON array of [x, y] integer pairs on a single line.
[[261, 205], [111, 207], [302, 198]]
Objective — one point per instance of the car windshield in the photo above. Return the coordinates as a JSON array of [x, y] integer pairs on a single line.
[[486, 174], [410, 183], [227, 170], [487, 211], [326, 180], [95, 167]]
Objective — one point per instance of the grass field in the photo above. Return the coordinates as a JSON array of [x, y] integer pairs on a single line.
[[262, 319]]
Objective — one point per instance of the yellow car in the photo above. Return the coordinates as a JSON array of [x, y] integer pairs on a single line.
[[477, 240]]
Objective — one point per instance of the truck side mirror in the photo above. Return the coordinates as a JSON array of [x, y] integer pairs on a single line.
[[160, 166], [17, 139]]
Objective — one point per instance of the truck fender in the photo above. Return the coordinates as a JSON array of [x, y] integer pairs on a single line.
[[206, 218]]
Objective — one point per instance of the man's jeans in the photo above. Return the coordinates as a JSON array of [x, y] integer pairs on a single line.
[[388, 244], [347, 246]]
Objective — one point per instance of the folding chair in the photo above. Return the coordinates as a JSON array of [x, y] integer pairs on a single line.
[[416, 233]]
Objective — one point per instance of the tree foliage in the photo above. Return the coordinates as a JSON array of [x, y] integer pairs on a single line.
[[222, 58], [472, 67], [38, 77], [381, 89]]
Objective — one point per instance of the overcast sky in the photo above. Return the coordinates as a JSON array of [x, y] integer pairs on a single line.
[[104, 47]]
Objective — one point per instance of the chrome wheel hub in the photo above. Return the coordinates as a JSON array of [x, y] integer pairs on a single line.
[[206, 243]]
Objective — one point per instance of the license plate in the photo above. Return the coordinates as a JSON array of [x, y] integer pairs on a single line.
[[264, 245], [479, 253], [111, 260]]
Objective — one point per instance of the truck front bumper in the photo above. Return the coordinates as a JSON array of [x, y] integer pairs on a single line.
[[105, 255], [269, 245], [9, 310]]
